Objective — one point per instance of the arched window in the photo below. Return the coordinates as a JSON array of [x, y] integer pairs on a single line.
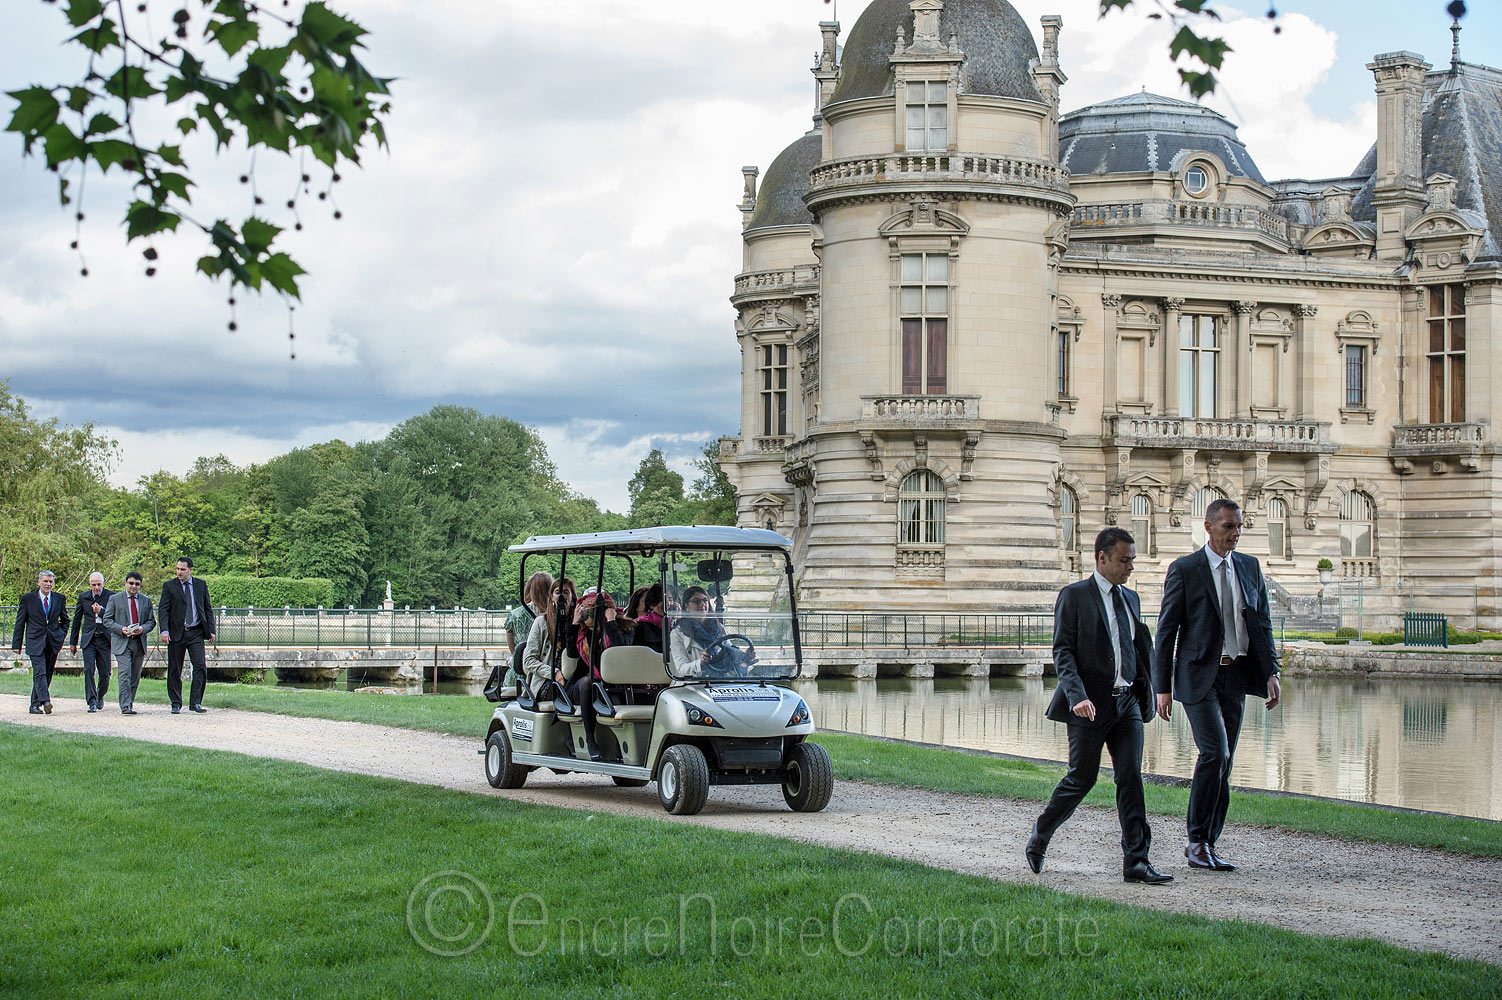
[[1203, 498], [1277, 528], [1358, 529], [1142, 523], [1069, 518], [920, 509]]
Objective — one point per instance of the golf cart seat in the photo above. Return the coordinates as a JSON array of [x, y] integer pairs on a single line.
[[630, 666]]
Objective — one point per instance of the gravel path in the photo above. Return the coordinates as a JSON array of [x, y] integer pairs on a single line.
[[1422, 899]]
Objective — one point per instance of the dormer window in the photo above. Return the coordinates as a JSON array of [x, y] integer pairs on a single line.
[[927, 116], [1196, 180]]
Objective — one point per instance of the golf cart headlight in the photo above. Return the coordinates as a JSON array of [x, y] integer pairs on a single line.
[[698, 717], [800, 714]]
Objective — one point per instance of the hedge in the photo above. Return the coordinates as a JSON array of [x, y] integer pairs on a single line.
[[269, 591]]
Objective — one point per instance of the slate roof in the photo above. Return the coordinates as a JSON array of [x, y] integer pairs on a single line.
[[1144, 132], [1462, 137], [779, 197], [998, 47]]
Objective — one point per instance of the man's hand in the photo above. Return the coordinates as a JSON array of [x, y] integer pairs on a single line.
[[97, 608], [1165, 706], [15, 649], [1274, 692], [1085, 710], [558, 677], [211, 637]]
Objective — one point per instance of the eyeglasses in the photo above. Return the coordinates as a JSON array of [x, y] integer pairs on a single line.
[[699, 600]]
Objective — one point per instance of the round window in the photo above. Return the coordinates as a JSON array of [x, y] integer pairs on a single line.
[[1196, 181]]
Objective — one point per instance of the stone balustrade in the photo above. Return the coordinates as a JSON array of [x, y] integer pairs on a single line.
[[769, 445], [1244, 435], [1438, 435], [776, 280], [921, 411], [798, 451], [1352, 568], [1167, 212], [939, 167]]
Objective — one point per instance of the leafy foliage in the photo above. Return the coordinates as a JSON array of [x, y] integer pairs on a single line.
[[237, 69], [1208, 50], [233, 591]]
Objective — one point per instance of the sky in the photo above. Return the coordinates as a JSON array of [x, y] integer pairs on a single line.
[[553, 233]]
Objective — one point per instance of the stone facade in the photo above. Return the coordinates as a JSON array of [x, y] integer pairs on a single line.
[[974, 332]]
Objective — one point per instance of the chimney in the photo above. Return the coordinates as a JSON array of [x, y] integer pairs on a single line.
[[827, 70], [748, 199], [1398, 194], [1050, 79]]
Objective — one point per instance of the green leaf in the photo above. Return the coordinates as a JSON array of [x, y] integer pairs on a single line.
[[1199, 84], [130, 83], [222, 132], [258, 235], [79, 98], [176, 88], [333, 30], [108, 152], [176, 184], [62, 144], [272, 60], [97, 38], [233, 36], [1210, 51], [36, 111], [81, 12], [101, 124], [281, 272], [186, 125], [211, 265], [62, 191], [142, 219], [171, 154]]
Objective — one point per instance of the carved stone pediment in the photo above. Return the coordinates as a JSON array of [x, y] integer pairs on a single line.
[[1340, 238]]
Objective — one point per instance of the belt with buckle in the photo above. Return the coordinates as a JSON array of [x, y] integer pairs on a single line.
[[1226, 661], [1119, 691]]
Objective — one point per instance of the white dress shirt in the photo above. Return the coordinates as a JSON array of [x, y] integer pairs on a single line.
[[1105, 596], [1216, 573]]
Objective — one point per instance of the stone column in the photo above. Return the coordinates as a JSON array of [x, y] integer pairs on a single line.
[[1304, 402], [1170, 354], [1241, 356], [1110, 384]]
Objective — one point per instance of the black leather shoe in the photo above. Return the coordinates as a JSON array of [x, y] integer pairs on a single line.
[[197, 708], [127, 711], [176, 709], [1199, 855], [36, 711], [1146, 874], [1217, 862], [47, 708], [1035, 850], [92, 709]]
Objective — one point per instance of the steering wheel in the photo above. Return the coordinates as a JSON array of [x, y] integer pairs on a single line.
[[740, 667]]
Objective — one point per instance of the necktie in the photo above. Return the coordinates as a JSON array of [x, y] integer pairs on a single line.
[[192, 618], [1124, 637], [1228, 610], [135, 619], [46, 605]]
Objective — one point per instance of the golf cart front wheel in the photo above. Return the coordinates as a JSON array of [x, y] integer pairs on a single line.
[[683, 780], [808, 779], [500, 770]]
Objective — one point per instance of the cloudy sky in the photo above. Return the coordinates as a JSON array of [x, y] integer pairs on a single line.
[[553, 233]]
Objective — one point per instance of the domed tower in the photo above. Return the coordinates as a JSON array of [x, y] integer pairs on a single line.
[[915, 297]]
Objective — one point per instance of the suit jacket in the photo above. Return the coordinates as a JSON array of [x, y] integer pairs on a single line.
[[1191, 636], [83, 616], [41, 629], [1084, 656], [117, 616], [174, 610]]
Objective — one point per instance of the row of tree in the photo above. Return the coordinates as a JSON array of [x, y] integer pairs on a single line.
[[432, 507]]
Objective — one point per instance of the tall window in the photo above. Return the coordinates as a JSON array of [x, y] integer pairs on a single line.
[[1202, 500], [920, 509], [1356, 375], [1142, 523], [1199, 353], [1277, 528], [1069, 519], [927, 116], [774, 390], [1357, 527], [1446, 354], [925, 323], [1061, 337]]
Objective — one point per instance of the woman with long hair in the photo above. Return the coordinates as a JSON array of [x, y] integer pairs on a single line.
[[538, 660]]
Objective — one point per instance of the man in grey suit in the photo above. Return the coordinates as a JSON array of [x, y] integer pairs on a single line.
[[88, 632], [129, 621]]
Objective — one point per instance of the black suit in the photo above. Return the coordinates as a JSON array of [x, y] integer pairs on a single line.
[[175, 611], [1085, 659], [1191, 644], [44, 631], [95, 644]]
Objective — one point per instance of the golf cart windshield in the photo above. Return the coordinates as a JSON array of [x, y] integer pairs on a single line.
[[728, 615]]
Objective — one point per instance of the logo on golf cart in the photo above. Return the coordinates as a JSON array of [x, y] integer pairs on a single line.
[[745, 694], [521, 729]]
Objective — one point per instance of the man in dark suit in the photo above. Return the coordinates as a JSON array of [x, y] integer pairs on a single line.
[[187, 621], [1215, 647], [128, 620], [42, 621], [88, 620], [1102, 654]]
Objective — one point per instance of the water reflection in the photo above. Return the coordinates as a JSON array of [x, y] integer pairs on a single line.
[[1420, 744]]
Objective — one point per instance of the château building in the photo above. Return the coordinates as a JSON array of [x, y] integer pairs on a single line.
[[974, 330]]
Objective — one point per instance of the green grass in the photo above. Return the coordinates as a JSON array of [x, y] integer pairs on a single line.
[[138, 870], [863, 758]]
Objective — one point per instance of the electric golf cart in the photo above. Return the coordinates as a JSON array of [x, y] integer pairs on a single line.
[[711, 706]]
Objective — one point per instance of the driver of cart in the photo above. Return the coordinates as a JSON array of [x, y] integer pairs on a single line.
[[539, 661], [694, 636]]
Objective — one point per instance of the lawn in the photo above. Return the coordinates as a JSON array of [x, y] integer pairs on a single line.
[[139, 870], [862, 758]]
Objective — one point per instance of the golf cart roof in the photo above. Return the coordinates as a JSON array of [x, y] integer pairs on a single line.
[[698, 537]]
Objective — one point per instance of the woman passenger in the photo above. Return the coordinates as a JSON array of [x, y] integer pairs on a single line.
[[539, 662], [649, 619]]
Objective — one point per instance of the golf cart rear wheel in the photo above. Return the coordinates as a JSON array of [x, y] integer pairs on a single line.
[[808, 780], [683, 780], [500, 770]]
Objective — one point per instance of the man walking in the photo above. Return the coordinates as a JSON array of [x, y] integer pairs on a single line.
[[1102, 654], [187, 621], [42, 621], [128, 620], [88, 621], [1215, 647]]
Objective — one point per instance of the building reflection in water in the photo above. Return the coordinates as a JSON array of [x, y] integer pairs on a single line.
[[1421, 744]]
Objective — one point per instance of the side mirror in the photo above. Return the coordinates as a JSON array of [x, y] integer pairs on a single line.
[[715, 570]]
